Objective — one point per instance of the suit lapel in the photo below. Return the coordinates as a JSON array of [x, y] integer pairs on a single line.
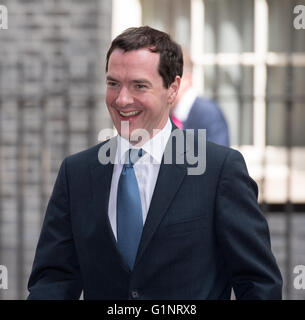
[[168, 182], [101, 179]]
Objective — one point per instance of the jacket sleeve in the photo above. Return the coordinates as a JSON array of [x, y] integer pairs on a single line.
[[243, 234], [56, 272]]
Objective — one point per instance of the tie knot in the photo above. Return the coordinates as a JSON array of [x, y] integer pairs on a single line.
[[133, 155]]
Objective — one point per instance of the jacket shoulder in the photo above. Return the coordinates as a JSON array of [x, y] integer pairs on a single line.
[[217, 155], [84, 155], [88, 156]]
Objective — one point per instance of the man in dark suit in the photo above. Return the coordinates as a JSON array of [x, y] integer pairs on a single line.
[[134, 226], [191, 111]]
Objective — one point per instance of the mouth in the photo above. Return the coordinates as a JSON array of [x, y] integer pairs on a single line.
[[129, 115]]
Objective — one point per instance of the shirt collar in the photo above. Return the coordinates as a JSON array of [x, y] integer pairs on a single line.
[[154, 147], [184, 106]]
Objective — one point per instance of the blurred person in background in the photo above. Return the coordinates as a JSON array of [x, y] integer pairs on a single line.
[[193, 112]]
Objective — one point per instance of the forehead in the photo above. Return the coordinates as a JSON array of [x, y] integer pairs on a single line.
[[141, 60]]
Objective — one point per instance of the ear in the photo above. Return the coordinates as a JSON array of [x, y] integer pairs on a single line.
[[173, 90]]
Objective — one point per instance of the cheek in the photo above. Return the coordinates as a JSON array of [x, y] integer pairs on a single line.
[[111, 110], [110, 97], [150, 103], [108, 100]]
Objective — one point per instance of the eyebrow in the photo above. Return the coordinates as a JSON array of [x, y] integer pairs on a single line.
[[134, 81], [111, 78], [142, 81]]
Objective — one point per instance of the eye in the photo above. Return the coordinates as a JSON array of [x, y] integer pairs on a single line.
[[141, 86], [111, 83]]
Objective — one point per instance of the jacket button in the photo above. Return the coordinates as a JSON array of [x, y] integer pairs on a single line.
[[135, 294]]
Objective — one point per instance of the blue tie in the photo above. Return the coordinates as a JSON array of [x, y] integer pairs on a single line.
[[129, 210]]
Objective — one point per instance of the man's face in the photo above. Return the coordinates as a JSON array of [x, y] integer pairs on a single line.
[[135, 91]]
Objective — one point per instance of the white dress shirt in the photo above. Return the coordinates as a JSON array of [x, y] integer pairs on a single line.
[[146, 171]]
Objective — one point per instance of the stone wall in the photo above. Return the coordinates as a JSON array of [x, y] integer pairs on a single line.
[[51, 105]]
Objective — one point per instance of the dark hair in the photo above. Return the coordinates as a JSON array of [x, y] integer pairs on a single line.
[[171, 57]]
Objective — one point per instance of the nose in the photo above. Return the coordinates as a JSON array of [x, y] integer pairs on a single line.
[[124, 98]]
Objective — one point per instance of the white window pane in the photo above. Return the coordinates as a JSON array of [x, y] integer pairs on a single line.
[[171, 16], [298, 115], [284, 84], [232, 87], [298, 128], [283, 36], [299, 81], [229, 26], [276, 121]]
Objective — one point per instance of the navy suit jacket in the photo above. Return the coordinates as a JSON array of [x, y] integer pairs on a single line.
[[206, 114], [203, 235]]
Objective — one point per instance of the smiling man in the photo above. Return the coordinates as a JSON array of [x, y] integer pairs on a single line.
[[139, 228], [135, 91]]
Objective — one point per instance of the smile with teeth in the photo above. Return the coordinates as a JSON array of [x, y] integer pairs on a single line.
[[128, 114]]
